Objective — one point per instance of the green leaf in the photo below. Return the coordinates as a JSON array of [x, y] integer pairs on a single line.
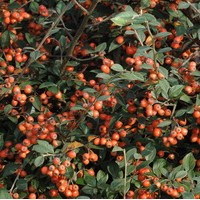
[[78, 107], [164, 85], [30, 39], [8, 108], [188, 195], [137, 27], [5, 39], [196, 73], [34, 6], [181, 174], [103, 98], [89, 190], [13, 119], [124, 18], [146, 66], [13, 5], [4, 194], [35, 55], [9, 169], [158, 166], [130, 169], [117, 148], [175, 91], [54, 89], [21, 184], [117, 67], [46, 85], [183, 5], [197, 189], [43, 147], [100, 47], [189, 162], [130, 153], [82, 197], [197, 103], [103, 76], [39, 161], [60, 7], [180, 112], [145, 3], [113, 169], [132, 76], [90, 180], [117, 184], [162, 34], [164, 50], [150, 152], [37, 103], [114, 45], [165, 123], [185, 98]]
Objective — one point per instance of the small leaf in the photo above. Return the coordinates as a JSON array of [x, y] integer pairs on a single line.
[[197, 103], [8, 108], [90, 180], [21, 184], [117, 67], [150, 152], [162, 34], [164, 85], [103, 76], [165, 123], [100, 47], [116, 148], [113, 169], [124, 18], [180, 112], [103, 98], [4, 194], [34, 6], [5, 38], [77, 107], [46, 85], [74, 145], [175, 90], [181, 174], [117, 184], [132, 76], [130, 153], [164, 50], [189, 162], [183, 5], [9, 169], [146, 66], [37, 103], [35, 55], [39, 161], [188, 195], [114, 45], [185, 98], [91, 137], [43, 147]]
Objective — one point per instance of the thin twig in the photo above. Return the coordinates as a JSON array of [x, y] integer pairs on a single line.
[[104, 20], [77, 36], [80, 6], [13, 185]]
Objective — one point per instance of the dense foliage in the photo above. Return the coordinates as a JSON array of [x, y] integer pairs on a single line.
[[99, 99]]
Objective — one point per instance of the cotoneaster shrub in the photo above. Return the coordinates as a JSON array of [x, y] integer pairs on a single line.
[[99, 99]]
